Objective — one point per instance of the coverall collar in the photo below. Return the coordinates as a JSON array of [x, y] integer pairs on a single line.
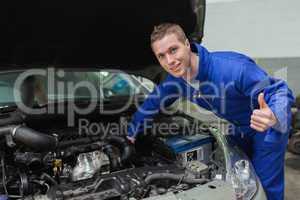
[[203, 54]]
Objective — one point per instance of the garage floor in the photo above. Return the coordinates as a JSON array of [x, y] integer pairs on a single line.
[[292, 176]]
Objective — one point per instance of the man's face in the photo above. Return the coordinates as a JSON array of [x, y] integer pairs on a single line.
[[173, 55]]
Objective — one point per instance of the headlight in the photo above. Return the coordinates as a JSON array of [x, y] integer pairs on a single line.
[[243, 180]]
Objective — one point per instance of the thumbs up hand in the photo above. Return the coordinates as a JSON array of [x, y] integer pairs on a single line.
[[262, 118]]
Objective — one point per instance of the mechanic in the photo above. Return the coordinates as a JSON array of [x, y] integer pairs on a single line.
[[234, 87]]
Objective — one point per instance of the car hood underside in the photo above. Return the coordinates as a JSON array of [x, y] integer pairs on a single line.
[[76, 33]]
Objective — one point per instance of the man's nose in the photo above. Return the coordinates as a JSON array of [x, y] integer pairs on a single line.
[[170, 60]]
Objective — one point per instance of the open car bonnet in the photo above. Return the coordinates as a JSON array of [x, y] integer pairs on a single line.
[[77, 33]]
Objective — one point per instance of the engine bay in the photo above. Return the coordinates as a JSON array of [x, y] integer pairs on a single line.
[[60, 163]]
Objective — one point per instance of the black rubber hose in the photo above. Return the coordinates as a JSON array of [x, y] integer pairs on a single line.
[[123, 144], [34, 139], [45, 176], [174, 177]]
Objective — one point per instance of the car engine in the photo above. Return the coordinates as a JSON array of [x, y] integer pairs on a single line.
[[66, 165]]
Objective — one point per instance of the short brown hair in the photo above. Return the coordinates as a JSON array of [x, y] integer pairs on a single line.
[[164, 29]]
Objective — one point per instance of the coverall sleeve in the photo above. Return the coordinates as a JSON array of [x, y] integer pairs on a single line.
[[163, 95], [253, 80]]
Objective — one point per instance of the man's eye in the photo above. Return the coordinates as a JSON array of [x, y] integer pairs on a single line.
[[173, 50], [160, 57]]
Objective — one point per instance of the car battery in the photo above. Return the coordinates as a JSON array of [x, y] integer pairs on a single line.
[[188, 148]]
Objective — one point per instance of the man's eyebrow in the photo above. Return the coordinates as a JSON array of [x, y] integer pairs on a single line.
[[172, 47]]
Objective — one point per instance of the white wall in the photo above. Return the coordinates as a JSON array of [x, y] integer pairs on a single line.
[[259, 28]]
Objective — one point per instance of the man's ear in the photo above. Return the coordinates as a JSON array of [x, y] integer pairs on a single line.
[[187, 43]]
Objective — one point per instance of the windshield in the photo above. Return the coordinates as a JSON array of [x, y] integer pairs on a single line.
[[39, 86]]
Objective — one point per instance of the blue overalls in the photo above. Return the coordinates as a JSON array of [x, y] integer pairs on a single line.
[[229, 86]]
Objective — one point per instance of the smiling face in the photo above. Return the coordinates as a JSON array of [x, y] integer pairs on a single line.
[[173, 54]]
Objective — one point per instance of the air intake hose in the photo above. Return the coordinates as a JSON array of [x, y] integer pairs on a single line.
[[31, 138]]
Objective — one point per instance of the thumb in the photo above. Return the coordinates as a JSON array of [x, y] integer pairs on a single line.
[[261, 101]]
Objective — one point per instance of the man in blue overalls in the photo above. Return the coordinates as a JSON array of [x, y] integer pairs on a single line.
[[233, 87]]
